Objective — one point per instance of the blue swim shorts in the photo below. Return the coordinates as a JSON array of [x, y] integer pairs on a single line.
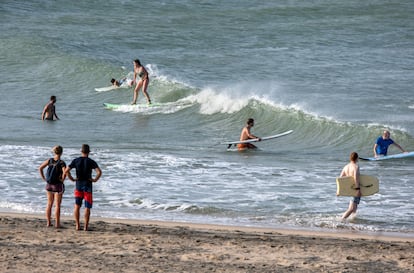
[[356, 200]]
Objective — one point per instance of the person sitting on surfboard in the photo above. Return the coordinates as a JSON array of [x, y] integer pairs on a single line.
[[245, 135], [382, 144], [117, 83], [352, 169]]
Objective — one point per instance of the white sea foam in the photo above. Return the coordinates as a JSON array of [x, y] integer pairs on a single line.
[[213, 102]]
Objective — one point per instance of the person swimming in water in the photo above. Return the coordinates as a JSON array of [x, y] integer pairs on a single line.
[[121, 82]]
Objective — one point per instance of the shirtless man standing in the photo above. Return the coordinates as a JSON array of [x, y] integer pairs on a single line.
[[245, 135], [49, 111], [352, 169]]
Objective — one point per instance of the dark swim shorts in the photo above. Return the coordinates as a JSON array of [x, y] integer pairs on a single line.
[[59, 188]]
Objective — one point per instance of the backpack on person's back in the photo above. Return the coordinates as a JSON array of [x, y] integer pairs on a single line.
[[54, 172]]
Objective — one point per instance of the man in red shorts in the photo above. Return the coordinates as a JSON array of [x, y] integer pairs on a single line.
[[83, 191]]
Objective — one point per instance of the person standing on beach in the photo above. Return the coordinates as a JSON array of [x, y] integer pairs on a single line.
[[352, 169], [143, 82], [382, 144], [83, 190], [54, 189], [49, 111], [245, 135]]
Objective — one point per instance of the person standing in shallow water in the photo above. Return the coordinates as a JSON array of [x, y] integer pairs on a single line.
[[54, 191], [352, 169], [49, 111], [143, 82], [83, 190], [382, 144]]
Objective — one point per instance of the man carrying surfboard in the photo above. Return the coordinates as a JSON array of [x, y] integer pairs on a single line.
[[382, 144], [245, 135], [352, 169]]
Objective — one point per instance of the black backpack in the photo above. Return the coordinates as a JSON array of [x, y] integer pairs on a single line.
[[54, 172]]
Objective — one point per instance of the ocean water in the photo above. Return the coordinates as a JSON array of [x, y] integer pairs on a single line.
[[335, 72]]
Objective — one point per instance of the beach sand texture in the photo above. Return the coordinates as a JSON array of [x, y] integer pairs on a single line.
[[112, 245]]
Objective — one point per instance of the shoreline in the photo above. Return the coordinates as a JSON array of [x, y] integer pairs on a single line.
[[383, 236], [119, 245]]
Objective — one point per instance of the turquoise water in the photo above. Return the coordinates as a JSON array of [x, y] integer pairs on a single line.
[[335, 72]]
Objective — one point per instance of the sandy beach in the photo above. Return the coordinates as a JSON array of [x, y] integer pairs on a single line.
[[113, 245]]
